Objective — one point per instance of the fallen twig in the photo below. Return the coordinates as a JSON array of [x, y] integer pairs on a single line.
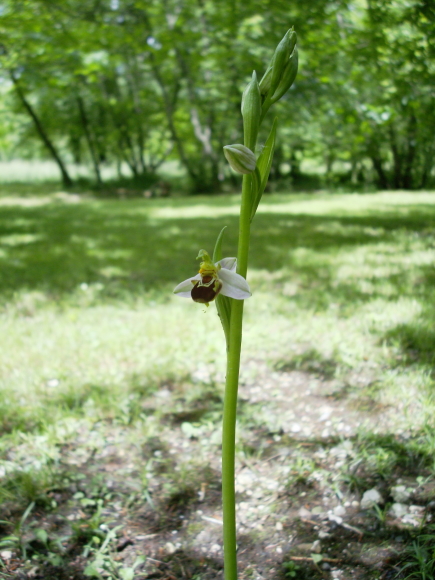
[[353, 529], [312, 522], [212, 520], [309, 559]]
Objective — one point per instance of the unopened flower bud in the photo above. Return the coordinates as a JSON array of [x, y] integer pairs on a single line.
[[288, 76], [280, 58], [240, 158], [251, 112], [265, 81]]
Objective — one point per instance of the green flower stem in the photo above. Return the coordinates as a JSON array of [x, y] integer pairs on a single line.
[[231, 388]]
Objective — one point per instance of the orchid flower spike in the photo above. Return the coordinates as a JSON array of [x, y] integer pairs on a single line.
[[213, 279]]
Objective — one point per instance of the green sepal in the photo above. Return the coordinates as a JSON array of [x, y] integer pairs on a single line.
[[223, 303], [264, 163]]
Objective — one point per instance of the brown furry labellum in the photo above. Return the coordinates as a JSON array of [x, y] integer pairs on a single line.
[[206, 290]]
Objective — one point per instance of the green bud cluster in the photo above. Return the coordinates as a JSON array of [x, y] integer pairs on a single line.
[[257, 98], [279, 63]]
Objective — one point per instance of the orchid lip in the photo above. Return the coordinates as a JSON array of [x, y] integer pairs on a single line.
[[218, 278]]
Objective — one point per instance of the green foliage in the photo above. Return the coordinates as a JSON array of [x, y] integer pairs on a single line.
[[418, 559], [136, 83], [291, 569]]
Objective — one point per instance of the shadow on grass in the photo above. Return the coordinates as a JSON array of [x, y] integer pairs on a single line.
[[119, 245]]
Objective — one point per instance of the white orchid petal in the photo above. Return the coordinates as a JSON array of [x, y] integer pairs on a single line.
[[185, 288], [228, 264], [233, 285]]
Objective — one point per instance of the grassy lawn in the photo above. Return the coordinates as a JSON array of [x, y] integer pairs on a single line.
[[111, 388]]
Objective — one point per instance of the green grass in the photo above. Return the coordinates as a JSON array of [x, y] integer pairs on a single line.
[[343, 286], [85, 291]]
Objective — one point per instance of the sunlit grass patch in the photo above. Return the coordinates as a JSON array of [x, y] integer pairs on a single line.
[[100, 358]]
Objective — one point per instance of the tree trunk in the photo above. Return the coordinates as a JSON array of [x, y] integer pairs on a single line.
[[85, 125], [397, 160], [428, 162], [377, 165], [202, 131], [408, 181], [169, 110], [66, 179]]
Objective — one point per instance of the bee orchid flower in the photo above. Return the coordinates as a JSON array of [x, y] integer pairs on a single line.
[[213, 279]]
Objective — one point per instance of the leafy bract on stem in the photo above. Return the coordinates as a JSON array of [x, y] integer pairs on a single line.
[[264, 163]]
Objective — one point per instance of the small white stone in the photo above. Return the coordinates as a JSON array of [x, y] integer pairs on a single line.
[[6, 554], [371, 498], [355, 503], [333, 518], [170, 548], [215, 548], [416, 509], [278, 526], [324, 417], [339, 510], [398, 510], [304, 513], [295, 428], [316, 547], [279, 550], [400, 494], [317, 510]]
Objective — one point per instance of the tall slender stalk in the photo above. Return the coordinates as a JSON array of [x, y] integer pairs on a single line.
[[256, 101], [231, 390], [216, 278]]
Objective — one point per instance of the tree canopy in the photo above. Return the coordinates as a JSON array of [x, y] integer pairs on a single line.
[[139, 82]]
